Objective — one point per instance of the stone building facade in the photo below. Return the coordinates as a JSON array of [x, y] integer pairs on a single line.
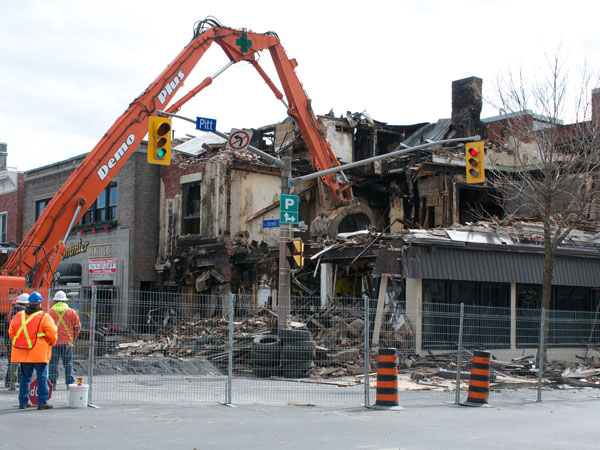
[[114, 246]]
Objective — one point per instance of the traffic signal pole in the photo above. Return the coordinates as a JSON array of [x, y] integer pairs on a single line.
[[284, 288]]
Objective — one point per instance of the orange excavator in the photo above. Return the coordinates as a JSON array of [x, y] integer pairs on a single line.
[[33, 265]]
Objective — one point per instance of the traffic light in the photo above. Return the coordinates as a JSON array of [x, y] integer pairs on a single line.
[[159, 140], [474, 155], [295, 256]]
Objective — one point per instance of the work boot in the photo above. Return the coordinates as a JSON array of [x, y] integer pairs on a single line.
[[25, 405], [46, 406]]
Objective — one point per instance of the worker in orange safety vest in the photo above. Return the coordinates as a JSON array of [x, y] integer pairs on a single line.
[[33, 333], [12, 371], [69, 326]]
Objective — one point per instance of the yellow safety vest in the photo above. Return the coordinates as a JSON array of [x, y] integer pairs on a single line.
[[59, 316]]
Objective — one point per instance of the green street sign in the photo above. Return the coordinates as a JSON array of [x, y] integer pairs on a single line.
[[288, 208]]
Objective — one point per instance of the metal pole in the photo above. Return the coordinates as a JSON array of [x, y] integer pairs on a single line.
[[230, 351], [459, 354], [283, 290], [92, 342], [541, 357], [393, 154], [367, 350]]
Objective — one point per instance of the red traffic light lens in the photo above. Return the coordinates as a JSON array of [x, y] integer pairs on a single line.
[[163, 129], [473, 152]]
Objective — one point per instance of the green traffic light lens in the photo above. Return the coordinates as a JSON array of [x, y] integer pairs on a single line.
[[161, 153]]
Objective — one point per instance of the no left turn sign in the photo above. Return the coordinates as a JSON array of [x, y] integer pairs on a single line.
[[238, 140]]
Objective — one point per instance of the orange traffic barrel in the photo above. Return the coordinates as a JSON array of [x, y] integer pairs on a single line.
[[479, 381], [387, 378]]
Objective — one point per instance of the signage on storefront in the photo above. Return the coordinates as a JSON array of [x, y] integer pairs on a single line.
[[101, 251], [103, 265], [75, 250]]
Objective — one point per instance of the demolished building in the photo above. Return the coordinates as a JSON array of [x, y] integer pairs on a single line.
[[413, 240]]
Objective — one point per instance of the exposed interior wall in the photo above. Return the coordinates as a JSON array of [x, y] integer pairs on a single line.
[[340, 136], [250, 193]]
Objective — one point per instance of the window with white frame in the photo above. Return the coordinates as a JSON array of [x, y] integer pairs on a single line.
[[3, 226]]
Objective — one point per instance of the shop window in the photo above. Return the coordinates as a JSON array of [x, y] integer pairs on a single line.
[[191, 208], [528, 315], [487, 314], [572, 319]]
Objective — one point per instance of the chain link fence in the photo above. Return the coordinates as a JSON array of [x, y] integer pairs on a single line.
[[184, 348]]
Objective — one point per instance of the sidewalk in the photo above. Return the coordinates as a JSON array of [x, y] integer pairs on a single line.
[[571, 423]]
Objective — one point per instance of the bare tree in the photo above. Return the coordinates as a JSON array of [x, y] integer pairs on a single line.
[[545, 169]]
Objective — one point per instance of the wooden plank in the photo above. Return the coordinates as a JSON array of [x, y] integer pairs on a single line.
[[379, 313]]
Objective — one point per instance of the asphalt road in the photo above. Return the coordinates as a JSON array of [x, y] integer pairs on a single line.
[[569, 423]]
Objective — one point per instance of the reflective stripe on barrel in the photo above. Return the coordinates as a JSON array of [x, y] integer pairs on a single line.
[[387, 377], [479, 381]]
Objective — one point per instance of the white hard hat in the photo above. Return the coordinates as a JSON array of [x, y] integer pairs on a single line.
[[60, 296], [23, 299]]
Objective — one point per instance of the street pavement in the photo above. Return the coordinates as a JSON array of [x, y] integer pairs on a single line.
[[568, 422]]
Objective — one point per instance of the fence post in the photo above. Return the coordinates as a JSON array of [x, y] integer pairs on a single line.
[[230, 350], [92, 342], [459, 354], [541, 357], [367, 349]]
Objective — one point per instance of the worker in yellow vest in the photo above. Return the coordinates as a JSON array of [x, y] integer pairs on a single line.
[[69, 326], [33, 333], [12, 371]]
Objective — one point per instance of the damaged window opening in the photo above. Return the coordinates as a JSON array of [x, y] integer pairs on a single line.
[[479, 204], [191, 208]]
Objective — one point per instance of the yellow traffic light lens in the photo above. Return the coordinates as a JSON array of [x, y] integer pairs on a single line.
[[161, 142], [163, 129], [473, 162]]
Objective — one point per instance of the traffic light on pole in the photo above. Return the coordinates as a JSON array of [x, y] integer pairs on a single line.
[[295, 254], [474, 161], [159, 140]]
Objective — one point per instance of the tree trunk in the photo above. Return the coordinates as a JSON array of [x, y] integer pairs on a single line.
[[546, 295]]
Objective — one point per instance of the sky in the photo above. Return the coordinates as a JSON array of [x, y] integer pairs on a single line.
[[70, 68]]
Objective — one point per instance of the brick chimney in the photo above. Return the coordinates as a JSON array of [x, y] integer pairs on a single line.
[[596, 107], [3, 156], [466, 107]]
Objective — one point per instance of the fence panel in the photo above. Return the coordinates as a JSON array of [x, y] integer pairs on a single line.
[[319, 359], [186, 348]]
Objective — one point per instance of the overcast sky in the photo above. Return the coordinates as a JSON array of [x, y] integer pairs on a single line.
[[70, 68]]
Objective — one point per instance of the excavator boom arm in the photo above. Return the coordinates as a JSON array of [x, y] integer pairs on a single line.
[[99, 167]]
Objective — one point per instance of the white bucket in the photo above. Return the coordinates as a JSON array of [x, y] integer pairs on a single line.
[[78, 396]]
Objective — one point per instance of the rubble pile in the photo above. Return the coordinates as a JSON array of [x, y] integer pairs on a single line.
[[339, 345]]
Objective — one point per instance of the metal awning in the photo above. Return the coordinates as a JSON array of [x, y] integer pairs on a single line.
[[486, 264]]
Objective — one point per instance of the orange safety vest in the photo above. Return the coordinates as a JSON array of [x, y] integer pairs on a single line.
[[27, 328]]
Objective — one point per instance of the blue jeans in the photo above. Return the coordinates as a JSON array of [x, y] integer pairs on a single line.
[[41, 370], [66, 353]]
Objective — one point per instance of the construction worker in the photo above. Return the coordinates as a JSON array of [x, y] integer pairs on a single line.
[[69, 326], [33, 333], [12, 370]]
